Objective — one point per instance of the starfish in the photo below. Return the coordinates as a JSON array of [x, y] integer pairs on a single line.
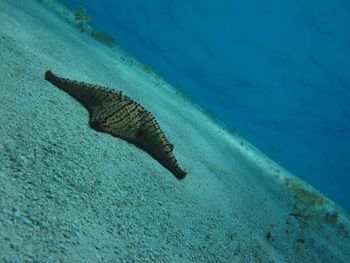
[[114, 113]]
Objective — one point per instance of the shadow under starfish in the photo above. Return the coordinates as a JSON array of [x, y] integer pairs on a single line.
[[114, 113]]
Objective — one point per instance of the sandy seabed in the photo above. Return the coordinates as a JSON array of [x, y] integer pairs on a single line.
[[71, 194]]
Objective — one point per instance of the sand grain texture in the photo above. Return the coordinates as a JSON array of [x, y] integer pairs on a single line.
[[71, 194]]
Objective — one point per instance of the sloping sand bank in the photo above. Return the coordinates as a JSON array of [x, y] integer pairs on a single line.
[[71, 194]]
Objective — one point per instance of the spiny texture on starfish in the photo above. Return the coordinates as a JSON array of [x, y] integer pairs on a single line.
[[114, 113]]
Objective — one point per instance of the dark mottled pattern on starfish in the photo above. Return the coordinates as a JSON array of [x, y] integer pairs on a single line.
[[114, 113]]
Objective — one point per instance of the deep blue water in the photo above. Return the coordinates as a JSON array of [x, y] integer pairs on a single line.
[[276, 71]]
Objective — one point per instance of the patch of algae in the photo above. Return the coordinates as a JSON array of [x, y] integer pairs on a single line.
[[310, 206]]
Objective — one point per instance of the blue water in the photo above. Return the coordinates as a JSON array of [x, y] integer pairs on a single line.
[[278, 72]]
